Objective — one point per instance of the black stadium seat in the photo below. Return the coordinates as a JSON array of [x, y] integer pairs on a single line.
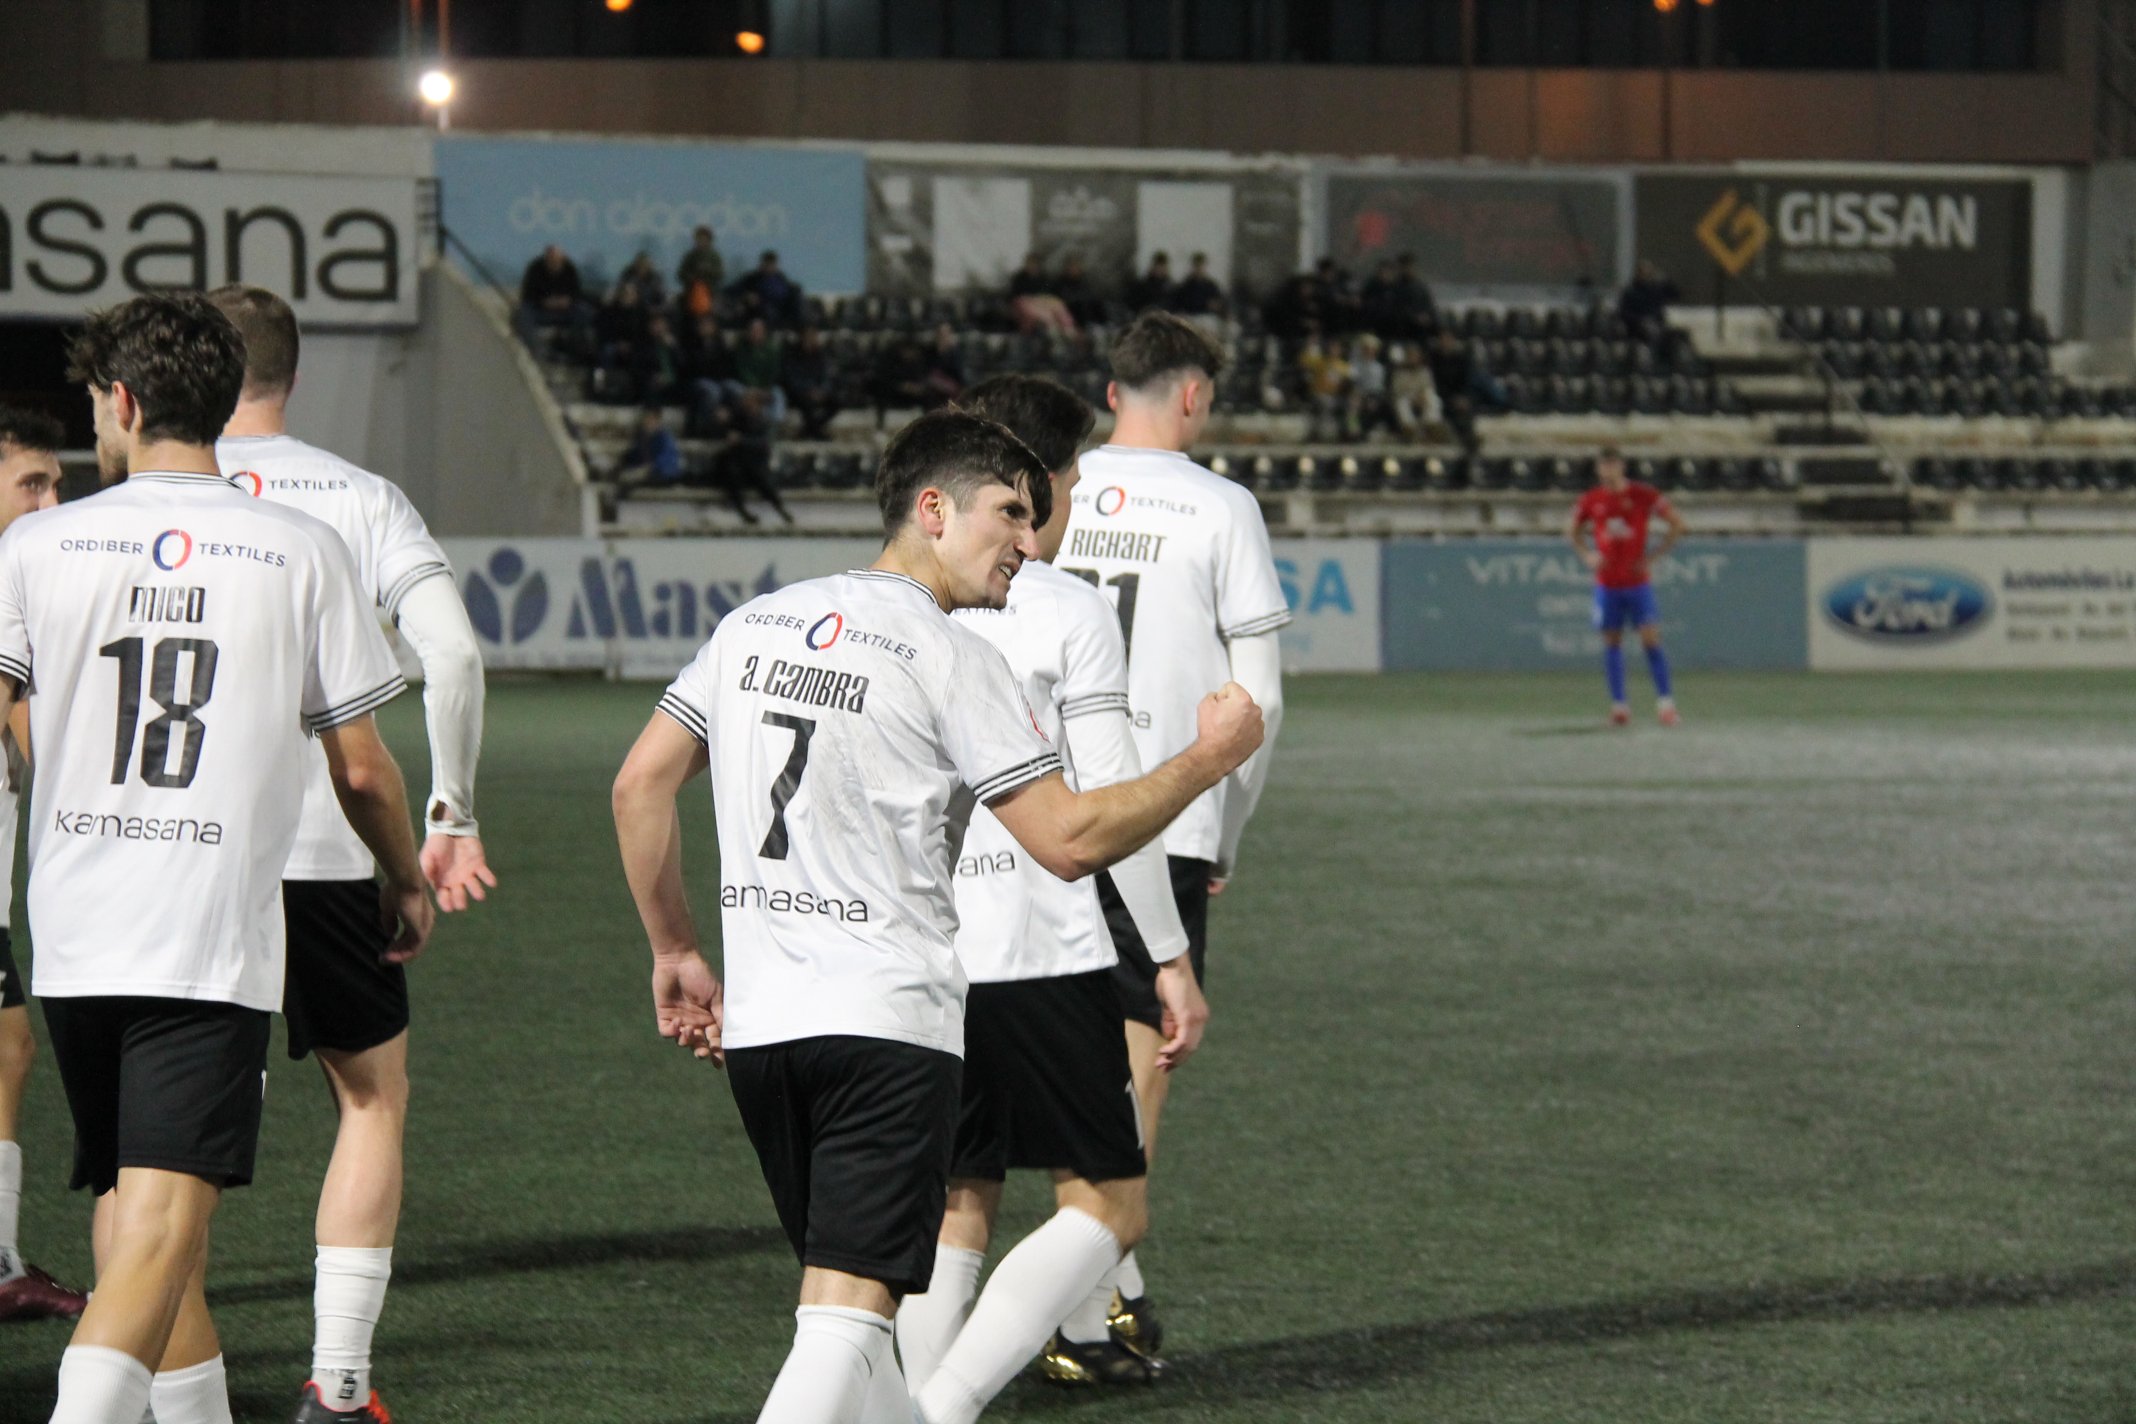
[[1775, 474]]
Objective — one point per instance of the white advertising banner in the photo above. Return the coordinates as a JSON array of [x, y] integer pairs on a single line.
[[344, 251], [2035, 602], [1333, 589]]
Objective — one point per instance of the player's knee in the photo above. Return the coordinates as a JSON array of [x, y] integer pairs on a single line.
[[371, 1083]]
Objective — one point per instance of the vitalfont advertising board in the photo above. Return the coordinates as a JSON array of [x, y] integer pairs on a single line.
[[342, 250], [604, 201], [2037, 602]]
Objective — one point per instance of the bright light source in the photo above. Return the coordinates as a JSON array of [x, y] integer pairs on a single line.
[[749, 42], [436, 88], [1665, 6], [619, 6]]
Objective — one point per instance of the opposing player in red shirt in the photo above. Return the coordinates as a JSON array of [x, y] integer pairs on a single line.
[[1614, 515]]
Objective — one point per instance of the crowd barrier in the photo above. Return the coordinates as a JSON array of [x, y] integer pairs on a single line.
[[641, 608]]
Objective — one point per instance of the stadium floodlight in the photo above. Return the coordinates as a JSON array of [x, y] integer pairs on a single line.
[[749, 42], [436, 87], [618, 6]]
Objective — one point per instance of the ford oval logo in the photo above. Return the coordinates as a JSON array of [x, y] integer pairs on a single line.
[[1907, 604]]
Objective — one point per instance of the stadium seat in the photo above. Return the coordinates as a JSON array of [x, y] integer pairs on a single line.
[[1845, 324], [1694, 474], [1649, 395], [1887, 324], [1925, 324], [2068, 476], [1775, 474], [1648, 470], [2036, 330], [1961, 324], [1935, 472], [1324, 476], [1524, 322], [2005, 325], [1734, 475], [1975, 473], [1803, 324], [1846, 359], [1613, 395], [1365, 476], [1527, 476], [1404, 476], [1492, 472], [2016, 474], [1570, 476], [1691, 395], [2119, 475], [1444, 475]]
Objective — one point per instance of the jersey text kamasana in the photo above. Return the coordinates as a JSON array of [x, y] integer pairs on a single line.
[[393, 551], [850, 725], [1015, 919], [178, 640], [1184, 555]]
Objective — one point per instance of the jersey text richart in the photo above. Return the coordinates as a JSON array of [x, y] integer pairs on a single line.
[[1015, 919], [178, 639], [1184, 556], [393, 551], [850, 725]]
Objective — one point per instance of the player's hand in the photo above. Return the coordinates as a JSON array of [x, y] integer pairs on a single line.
[[1217, 884], [457, 869], [1185, 1012], [405, 913], [689, 1004], [1229, 721], [1590, 558]]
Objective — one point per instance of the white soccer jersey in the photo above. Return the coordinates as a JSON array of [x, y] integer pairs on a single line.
[[178, 639], [850, 724], [1016, 919], [393, 551], [1184, 555]]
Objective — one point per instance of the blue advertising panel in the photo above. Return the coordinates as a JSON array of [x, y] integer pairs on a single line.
[[604, 201], [1528, 605]]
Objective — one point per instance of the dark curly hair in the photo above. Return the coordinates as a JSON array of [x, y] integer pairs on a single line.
[[30, 430], [180, 358], [958, 454], [1044, 414]]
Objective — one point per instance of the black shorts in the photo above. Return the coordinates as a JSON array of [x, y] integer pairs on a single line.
[[173, 1084], [13, 992], [1046, 1081], [854, 1136], [1136, 973], [339, 994]]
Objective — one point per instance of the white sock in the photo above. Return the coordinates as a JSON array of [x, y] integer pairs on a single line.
[[347, 1300], [1086, 1323], [827, 1374], [98, 1385], [1030, 1291], [1129, 1280], [198, 1394], [927, 1324], [888, 1401], [10, 1209]]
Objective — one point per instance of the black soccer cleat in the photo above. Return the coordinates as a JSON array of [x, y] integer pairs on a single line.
[[311, 1409], [1080, 1364], [1134, 1324]]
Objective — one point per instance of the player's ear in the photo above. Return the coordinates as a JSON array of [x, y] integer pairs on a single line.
[[931, 511], [124, 408], [1112, 395]]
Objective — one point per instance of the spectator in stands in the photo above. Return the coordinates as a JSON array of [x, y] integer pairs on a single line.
[[744, 459], [661, 368], [810, 383], [1396, 305], [708, 367], [756, 368], [1034, 301], [1416, 299], [1342, 310], [1153, 289], [1409, 387], [642, 274], [945, 368], [550, 295], [1295, 309], [768, 292], [1464, 387], [700, 275], [1073, 288], [899, 380], [620, 333], [1644, 303], [652, 458], [1324, 372], [1198, 297], [1370, 407]]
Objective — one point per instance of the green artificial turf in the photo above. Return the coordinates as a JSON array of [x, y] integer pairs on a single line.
[[1771, 1069]]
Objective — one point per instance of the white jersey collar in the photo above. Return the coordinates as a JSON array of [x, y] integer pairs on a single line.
[[907, 579]]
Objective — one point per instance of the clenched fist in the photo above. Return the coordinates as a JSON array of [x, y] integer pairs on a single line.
[[1229, 721]]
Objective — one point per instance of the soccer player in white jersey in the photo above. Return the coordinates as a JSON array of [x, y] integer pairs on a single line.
[[29, 481], [345, 1005], [1046, 1078], [851, 725], [176, 639], [1184, 554]]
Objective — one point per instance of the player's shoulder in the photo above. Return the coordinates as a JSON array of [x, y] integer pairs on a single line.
[[268, 458], [1643, 492]]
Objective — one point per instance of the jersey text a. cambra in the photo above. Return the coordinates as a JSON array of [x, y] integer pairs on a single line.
[[1015, 919], [393, 552], [1184, 555], [850, 726], [178, 639]]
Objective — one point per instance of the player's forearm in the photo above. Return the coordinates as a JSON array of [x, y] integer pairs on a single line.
[[649, 833], [1105, 825], [435, 624]]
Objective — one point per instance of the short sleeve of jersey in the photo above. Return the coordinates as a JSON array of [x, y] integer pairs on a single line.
[[1249, 597], [351, 672], [988, 730], [1584, 511], [1094, 660], [686, 701], [405, 554], [14, 627]]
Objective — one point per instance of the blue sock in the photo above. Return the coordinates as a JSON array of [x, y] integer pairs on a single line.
[[1658, 665], [1613, 669]]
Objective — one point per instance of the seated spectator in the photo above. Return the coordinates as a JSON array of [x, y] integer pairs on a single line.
[[768, 292], [1033, 300], [1295, 309], [619, 333], [700, 274], [1342, 310], [1370, 407], [708, 369], [550, 296], [1409, 387], [1198, 297], [945, 369], [756, 368], [899, 380], [1153, 289], [1644, 303], [652, 458], [1463, 386], [1325, 374], [661, 368], [642, 274], [744, 458], [810, 383], [1416, 299], [1073, 288]]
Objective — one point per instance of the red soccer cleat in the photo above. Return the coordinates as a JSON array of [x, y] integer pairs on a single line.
[[34, 1295], [1620, 716], [1670, 717], [311, 1409]]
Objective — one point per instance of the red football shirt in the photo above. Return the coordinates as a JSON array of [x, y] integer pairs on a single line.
[[1620, 520]]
